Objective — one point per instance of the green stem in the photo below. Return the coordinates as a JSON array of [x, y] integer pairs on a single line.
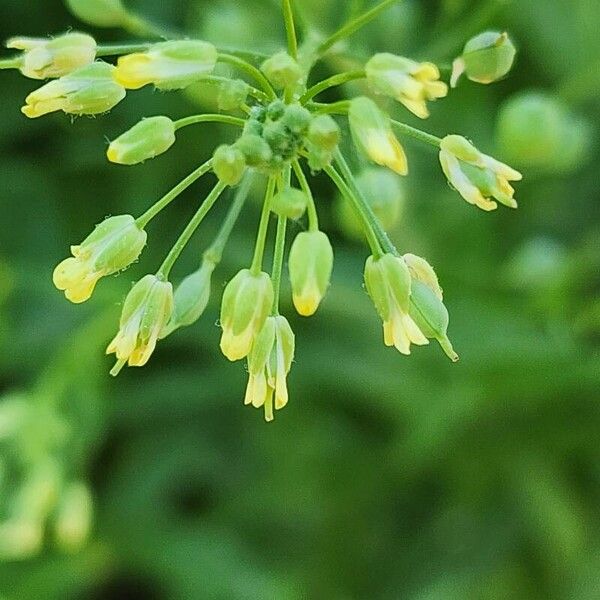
[[251, 70], [209, 118], [311, 209], [171, 195], [11, 63], [333, 81], [215, 252], [352, 26], [184, 238], [336, 108], [278, 262], [417, 134], [358, 206], [290, 28], [263, 228]]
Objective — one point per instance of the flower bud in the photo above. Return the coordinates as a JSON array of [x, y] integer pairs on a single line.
[[486, 58], [289, 203], [476, 176], [102, 13], [146, 311], [145, 140], [90, 90], [269, 363], [167, 65], [246, 304], [233, 94], [45, 59], [73, 517], [373, 135], [111, 247], [276, 110], [229, 164], [411, 83], [388, 283], [322, 141], [282, 71], [255, 149], [191, 298], [310, 265], [297, 119]]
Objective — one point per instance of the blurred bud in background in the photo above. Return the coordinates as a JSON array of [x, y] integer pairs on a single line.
[[102, 13]]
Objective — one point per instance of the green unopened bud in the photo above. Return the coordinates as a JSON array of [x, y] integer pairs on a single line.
[[269, 363], [233, 94], [277, 136], [255, 149], [73, 517], [388, 282], [90, 90], [111, 247], [282, 71], [191, 298], [45, 59], [297, 119], [276, 110], [324, 132], [145, 140], [229, 164], [246, 304], [372, 134], [147, 310], [486, 58], [102, 13], [310, 265], [167, 65], [290, 203], [253, 127], [539, 131]]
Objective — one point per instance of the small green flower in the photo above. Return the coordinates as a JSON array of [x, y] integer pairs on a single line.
[[282, 71], [290, 203], [229, 164]]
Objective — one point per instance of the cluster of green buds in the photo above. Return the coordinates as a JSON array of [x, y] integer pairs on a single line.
[[281, 128]]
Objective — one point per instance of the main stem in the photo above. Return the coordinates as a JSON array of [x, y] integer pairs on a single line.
[[290, 28], [184, 238], [263, 228]]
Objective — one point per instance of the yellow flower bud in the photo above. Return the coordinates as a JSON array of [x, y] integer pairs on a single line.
[[269, 363], [310, 265], [246, 304], [89, 90], [388, 283], [111, 247], [282, 70], [476, 176], [146, 312], [48, 58], [167, 65], [373, 135], [409, 82]]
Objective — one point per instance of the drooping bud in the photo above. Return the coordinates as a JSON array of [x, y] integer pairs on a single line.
[[282, 71], [310, 265], [145, 140], [167, 65], [486, 58], [146, 311], [289, 203], [269, 363], [233, 93], [411, 83], [388, 283], [255, 149], [111, 247], [229, 164], [246, 304], [372, 134], [49, 58], [476, 176], [101, 13], [90, 90], [322, 140], [73, 517]]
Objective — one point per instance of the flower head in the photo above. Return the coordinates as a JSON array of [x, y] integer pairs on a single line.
[[89, 90], [47, 58], [388, 282], [167, 65], [477, 177], [269, 363], [111, 247], [410, 83], [373, 135], [146, 311]]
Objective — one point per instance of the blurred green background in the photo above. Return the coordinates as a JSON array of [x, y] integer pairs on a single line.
[[385, 477]]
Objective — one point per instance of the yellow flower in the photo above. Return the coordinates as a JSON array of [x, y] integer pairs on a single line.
[[477, 177], [409, 82], [111, 247], [269, 363], [373, 135], [167, 65], [146, 311]]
